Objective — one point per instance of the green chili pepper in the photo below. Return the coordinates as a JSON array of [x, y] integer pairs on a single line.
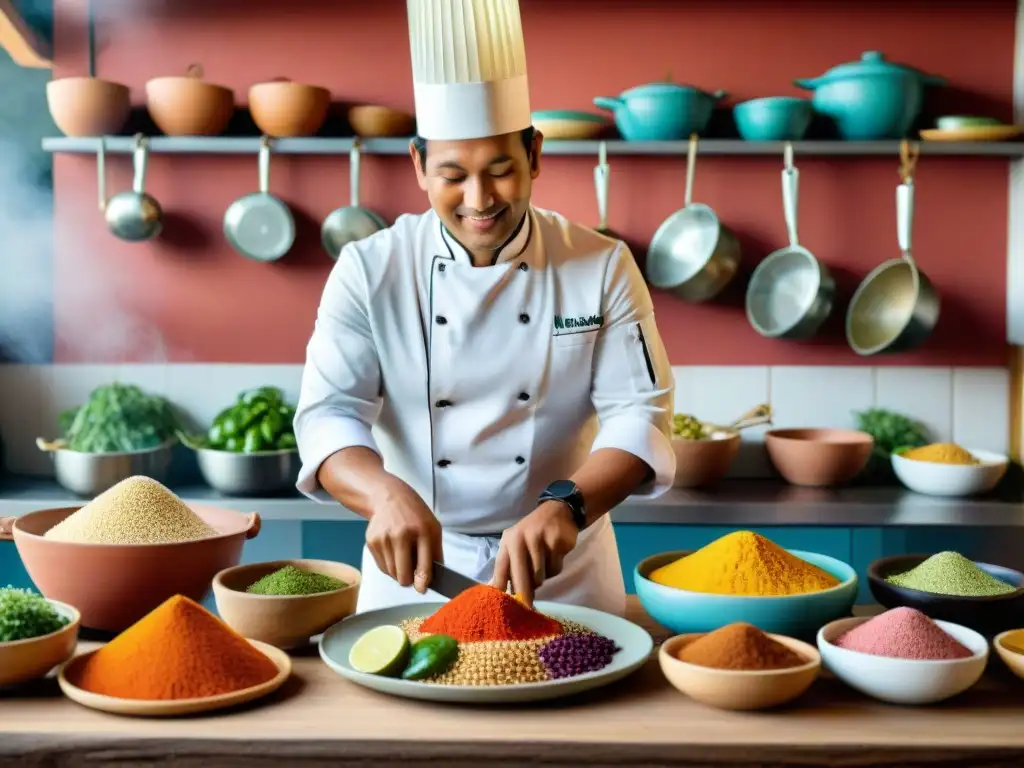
[[233, 444], [253, 440], [286, 441], [215, 435]]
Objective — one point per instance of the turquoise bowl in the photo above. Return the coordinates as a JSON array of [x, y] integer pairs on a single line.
[[793, 615], [775, 118]]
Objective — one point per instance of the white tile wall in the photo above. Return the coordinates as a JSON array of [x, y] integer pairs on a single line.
[[968, 405]]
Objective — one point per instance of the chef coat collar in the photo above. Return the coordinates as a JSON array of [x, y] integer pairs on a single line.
[[516, 246]]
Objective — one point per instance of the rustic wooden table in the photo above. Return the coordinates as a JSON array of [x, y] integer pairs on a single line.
[[318, 719]]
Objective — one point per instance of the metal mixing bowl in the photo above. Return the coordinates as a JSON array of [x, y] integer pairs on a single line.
[[249, 474], [90, 474]]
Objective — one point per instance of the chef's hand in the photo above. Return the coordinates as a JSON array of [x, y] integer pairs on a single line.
[[403, 536], [532, 550]]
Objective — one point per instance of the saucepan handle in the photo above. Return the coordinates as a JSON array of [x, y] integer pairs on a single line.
[[7, 528], [790, 196], [691, 168], [264, 164], [905, 218], [255, 525], [601, 172], [141, 157], [354, 162]]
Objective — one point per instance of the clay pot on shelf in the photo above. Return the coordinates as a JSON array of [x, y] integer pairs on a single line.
[[283, 109], [188, 106], [88, 106], [373, 120]]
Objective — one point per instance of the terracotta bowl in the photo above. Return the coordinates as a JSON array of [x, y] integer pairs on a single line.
[[283, 109], [704, 462], [739, 689], [22, 661], [372, 120], [284, 621], [187, 106], [818, 457], [115, 585], [88, 106]]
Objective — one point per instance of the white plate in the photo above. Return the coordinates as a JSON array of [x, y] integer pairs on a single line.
[[635, 644]]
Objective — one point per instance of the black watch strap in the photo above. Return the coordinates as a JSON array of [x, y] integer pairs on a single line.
[[567, 492]]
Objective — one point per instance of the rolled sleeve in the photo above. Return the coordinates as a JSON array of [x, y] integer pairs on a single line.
[[340, 396], [633, 386]]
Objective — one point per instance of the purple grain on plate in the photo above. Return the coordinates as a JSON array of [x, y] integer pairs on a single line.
[[571, 655]]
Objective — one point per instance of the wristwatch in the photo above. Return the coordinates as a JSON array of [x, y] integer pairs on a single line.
[[569, 494]]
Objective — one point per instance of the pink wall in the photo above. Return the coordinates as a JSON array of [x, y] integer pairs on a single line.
[[188, 297]]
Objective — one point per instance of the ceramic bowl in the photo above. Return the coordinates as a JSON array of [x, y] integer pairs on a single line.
[[818, 457], [775, 118], [187, 106], [1012, 658], [115, 585], [903, 681], [936, 479], [957, 122], [88, 106], [704, 462], [793, 615], [984, 614], [569, 124], [372, 120], [281, 108], [22, 661], [739, 689], [284, 621]]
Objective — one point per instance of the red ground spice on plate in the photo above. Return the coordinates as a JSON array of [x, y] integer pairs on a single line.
[[485, 613]]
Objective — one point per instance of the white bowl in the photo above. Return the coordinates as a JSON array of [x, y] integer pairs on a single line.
[[936, 479], [903, 681]]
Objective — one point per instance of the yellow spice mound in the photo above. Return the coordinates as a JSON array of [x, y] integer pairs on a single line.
[[138, 510], [744, 563], [941, 453]]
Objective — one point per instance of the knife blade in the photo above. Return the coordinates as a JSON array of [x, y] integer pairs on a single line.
[[449, 583]]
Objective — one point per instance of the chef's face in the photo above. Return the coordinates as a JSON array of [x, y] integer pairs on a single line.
[[480, 187]]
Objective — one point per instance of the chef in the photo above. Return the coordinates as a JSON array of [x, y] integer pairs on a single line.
[[485, 381]]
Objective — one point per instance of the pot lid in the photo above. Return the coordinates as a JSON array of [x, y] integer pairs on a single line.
[[666, 86], [870, 63]]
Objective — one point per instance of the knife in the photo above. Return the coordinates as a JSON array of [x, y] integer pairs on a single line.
[[449, 583]]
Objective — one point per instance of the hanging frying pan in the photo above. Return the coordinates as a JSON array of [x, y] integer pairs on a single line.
[[353, 222], [260, 226], [134, 215], [896, 308], [693, 255], [790, 292]]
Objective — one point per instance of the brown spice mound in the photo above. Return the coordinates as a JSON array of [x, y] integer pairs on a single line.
[[739, 646]]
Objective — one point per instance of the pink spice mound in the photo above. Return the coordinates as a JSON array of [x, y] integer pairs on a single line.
[[903, 633]]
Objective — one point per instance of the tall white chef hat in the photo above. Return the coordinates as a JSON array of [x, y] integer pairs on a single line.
[[469, 68]]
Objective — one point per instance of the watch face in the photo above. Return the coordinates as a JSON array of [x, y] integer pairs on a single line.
[[562, 488]]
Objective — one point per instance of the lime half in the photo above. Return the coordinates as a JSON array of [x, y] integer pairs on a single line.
[[380, 651]]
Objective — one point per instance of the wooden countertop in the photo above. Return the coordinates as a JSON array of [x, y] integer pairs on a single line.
[[319, 719]]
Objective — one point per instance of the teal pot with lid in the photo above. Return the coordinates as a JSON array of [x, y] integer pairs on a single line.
[[661, 111], [871, 98]]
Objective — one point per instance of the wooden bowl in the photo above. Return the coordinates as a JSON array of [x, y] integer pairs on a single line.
[[284, 621], [739, 689], [818, 457], [281, 108], [22, 661], [88, 106], [115, 585], [371, 120], [187, 106], [704, 462], [1013, 659], [988, 615]]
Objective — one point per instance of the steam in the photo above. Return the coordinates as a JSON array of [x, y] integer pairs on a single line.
[[104, 328]]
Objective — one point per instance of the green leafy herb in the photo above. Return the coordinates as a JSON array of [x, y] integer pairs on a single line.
[[24, 614], [119, 418], [891, 430]]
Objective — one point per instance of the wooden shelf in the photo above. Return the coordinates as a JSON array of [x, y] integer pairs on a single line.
[[25, 45], [218, 145]]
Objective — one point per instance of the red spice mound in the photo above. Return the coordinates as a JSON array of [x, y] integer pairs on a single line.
[[903, 633], [178, 650], [485, 613]]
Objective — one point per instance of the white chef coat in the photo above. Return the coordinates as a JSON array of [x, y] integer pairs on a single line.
[[479, 386]]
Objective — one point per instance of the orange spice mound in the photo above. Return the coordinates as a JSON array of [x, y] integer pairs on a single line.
[[485, 613], [179, 650]]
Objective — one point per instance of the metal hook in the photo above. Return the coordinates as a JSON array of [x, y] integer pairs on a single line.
[[909, 153]]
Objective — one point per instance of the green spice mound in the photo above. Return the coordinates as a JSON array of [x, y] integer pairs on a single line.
[[24, 614], [295, 581], [950, 573]]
